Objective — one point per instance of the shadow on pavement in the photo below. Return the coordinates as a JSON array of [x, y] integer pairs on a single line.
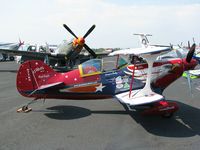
[[184, 123]]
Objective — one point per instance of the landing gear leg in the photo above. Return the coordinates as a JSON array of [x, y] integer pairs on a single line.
[[129, 108], [25, 108]]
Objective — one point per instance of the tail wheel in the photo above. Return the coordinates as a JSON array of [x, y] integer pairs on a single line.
[[24, 108]]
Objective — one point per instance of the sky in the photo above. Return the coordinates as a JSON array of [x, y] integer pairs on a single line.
[[40, 21]]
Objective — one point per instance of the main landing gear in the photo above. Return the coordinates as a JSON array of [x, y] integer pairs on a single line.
[[163, 108]]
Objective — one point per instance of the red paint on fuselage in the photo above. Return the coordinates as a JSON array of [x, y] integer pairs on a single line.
[[74, 77], [176, 72], [45, 76], [164, 80]]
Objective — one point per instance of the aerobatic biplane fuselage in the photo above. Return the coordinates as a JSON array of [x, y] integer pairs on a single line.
[[91, 80]]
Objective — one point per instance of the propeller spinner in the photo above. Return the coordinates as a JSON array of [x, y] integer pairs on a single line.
[[81, 40]]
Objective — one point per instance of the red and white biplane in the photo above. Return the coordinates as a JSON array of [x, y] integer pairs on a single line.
[[139, 84]]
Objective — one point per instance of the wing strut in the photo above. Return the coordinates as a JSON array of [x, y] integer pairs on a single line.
[[145, 95], [147, 91], [132, 80]]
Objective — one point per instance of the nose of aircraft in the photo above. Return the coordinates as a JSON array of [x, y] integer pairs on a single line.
[[191, 65], [81, 41]]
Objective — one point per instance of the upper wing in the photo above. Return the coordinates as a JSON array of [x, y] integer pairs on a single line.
[[141, 51]]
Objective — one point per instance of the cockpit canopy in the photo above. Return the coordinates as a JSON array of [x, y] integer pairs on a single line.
[[97, 66]]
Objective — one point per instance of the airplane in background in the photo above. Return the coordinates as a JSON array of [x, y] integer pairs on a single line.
[[110, 77], [65, 55], [34, 48], [7, 46]]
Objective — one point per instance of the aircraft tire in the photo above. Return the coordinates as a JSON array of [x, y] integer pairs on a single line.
[[167, 115], [11, 58], [24, 108]]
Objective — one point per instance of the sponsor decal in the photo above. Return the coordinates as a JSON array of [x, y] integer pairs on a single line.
[[111, 74], [122, 82], [43, 76], [28, 74], [38, 69], [118, 80], [119, 86]]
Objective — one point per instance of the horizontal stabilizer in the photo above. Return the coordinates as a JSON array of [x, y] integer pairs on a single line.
[[42, 87]]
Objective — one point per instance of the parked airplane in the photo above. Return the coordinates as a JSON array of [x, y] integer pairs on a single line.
[[93, 80], [34, 48], [66, 53], [7, 46]]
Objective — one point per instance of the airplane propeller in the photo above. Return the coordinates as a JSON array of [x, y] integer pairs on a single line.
[[191, 52], [83, 38]]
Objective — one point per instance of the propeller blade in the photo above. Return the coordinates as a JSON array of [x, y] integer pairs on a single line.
[[171, 46], [69, 30], [189, 44], [190, 53], [89, 31], [90, 50], [193, 39]]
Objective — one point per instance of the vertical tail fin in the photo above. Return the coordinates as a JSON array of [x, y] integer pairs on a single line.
[[143, 39], [20, 42], [32, 75]]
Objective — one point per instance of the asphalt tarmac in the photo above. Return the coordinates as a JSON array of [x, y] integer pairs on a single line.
[[94, 125]]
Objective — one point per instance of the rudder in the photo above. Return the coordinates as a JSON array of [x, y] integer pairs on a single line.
[[31, 75]]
